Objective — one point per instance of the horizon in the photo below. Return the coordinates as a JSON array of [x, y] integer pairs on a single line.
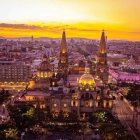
[[43, 37], [48, 18]]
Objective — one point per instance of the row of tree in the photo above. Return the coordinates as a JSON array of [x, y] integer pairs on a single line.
[[110, 128], [24, 117]]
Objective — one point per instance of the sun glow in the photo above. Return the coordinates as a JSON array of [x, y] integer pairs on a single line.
[[81, 18]]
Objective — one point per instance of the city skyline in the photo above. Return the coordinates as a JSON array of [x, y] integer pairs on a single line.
[[84, 19]]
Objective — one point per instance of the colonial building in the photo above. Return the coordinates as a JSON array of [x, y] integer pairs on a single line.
[[14, 75], [102, 68], [45, 69], [43, 75], [78, 68], [126, 73], [90, 96], [86, 96]]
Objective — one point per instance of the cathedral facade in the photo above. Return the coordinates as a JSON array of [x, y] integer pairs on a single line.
[[91, 92]]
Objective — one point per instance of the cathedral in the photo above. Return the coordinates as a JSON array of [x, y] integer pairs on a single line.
[[90, 93]]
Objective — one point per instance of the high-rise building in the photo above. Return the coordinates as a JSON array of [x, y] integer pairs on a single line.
[[102, 68]]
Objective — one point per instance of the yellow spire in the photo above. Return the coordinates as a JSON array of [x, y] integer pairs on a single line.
[[102, 48], [63, 43]]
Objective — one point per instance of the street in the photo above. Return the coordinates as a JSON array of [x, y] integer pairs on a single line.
[[124, 111]]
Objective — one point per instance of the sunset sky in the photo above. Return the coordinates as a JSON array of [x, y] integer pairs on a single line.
[[80, 18]]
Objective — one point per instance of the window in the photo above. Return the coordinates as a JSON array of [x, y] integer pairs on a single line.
[[65, 105]]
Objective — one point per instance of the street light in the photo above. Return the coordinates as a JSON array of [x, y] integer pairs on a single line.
[[13, 96], [3, 105]]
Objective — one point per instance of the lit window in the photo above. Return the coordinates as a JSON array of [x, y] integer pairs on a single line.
[[65, 105], [53, 83]]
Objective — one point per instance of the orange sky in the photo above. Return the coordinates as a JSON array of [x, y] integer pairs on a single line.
[[81, 18]]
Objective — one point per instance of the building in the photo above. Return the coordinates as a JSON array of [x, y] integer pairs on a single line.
[[90, 96], [87, 95], [116, 60], [43, 75], [14, 75], [128, 73], [131, 66], [63, 59], [78, 68], [83, 99], [102, 68]]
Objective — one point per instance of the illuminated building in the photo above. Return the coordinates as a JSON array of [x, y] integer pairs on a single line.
[[86, 80], [79, 68], [128, 73], [102, 68], [130, 66], [36, 98], [87, 96], [14, 75], [115, 60], [45, 69], [44, 73], [63, 59], [90, 97]]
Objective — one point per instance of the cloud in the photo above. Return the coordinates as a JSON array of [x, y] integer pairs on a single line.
[[19, 26], [47, 28], [84, 30], [55, 29]]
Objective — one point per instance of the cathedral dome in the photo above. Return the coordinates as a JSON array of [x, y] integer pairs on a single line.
[[87, 78], [45, 69], [45, 65]]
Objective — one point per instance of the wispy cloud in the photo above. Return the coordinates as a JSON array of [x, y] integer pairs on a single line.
[[55, 30], [19, 26], [47, 28]]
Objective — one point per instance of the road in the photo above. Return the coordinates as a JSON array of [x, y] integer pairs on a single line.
[[124, 111]]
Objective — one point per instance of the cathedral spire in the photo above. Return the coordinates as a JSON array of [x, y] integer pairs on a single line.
[[102, 68], [63, 59], [63, 48], [102, 48]]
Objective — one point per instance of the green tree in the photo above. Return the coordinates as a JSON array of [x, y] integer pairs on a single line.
[[24, 116]]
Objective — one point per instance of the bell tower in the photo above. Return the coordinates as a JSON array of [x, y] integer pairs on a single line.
[[102, 68], [63, 58]]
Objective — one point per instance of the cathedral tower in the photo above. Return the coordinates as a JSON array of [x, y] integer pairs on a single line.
[[102, 68], [63, 58]]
